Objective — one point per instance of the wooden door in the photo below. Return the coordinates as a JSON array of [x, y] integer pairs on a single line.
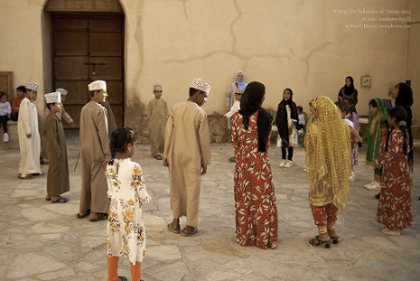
[[87, 48]]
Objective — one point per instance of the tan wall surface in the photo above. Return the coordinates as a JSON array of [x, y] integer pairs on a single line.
[[304, 45], [413, 65]]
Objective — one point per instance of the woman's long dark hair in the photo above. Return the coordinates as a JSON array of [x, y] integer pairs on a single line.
[[251, 101], [386, 124], [405, 99], [400, 114], [120, 138]]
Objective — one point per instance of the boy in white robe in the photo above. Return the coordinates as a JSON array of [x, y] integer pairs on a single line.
[[28, 133]]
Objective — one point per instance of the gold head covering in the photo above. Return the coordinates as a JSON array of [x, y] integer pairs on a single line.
[[327, 143]]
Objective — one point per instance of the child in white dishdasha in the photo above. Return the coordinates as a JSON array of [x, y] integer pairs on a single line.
[[127, 191]]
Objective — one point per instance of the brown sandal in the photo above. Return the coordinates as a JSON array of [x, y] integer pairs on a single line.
[[174, 230]]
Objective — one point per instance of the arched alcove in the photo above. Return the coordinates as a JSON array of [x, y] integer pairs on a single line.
[[84, 41]]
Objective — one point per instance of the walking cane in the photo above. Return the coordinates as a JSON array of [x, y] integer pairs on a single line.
[[77, 162]]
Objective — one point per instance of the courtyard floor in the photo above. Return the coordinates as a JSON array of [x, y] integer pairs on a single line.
[[44, 241]]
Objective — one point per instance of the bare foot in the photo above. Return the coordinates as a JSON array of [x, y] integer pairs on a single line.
[[324, 237], [175, 224]]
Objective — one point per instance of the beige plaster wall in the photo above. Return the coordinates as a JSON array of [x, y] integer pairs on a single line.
[[21, 47], [304, 45], [413, 59]]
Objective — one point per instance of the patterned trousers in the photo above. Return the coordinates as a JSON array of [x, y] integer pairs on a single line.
[[324, 216]]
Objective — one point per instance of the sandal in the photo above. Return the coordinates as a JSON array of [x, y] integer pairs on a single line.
[[335, 240], [47, 198], [59, 200], [174, 230], [122, 278], [317, 242], [79, 216], [194, 231], [28, 177], [99, 218]]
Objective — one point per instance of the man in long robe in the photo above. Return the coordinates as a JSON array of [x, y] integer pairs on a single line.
[[187, 154], [157, 113], [58, 171], [112, 124], [29, 139], [94, 154]]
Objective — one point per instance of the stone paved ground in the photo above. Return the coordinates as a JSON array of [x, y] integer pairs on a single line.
[[44, 241]]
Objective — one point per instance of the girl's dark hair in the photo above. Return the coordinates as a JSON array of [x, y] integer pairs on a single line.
[[352, 104], [120, 138], [21, 89], [385, 123], [343, 106], [2, 94], [299, 108], [373, 103], [400, 114]]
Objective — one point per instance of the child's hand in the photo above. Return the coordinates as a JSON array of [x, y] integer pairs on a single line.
[[360, 139], [165, 162], [28, 136]]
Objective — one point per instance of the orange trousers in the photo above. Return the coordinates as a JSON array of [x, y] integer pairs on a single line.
[[324, 216], [113, 269]]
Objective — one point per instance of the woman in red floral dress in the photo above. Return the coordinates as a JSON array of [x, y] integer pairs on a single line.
[[255, 200], [394, 206]]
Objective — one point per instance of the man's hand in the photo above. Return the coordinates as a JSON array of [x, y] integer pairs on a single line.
[[28, 136], [203, 169], [165, 162]]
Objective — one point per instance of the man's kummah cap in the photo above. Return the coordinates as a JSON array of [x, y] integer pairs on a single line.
[[97, 85], [201, 85], [32, 86], [62, 91], [157, 87], [53, 97]]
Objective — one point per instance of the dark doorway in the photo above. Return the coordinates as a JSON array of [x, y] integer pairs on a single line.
[[87, 47]]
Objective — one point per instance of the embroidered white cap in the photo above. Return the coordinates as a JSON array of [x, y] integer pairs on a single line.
[[97, 85], [201, 85], [157, 87], [53, 97], [32, 86], [62, 91]]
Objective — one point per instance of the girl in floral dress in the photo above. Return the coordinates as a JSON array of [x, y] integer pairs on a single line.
[[394, 205], [255, 199], [126, 234]]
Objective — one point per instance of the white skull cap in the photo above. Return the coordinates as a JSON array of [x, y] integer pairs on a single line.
[[201, 85], [97, 85], [32, 86], [62, 91], [52, 97]]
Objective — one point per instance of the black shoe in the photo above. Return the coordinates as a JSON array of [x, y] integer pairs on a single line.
[[377, 196]]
